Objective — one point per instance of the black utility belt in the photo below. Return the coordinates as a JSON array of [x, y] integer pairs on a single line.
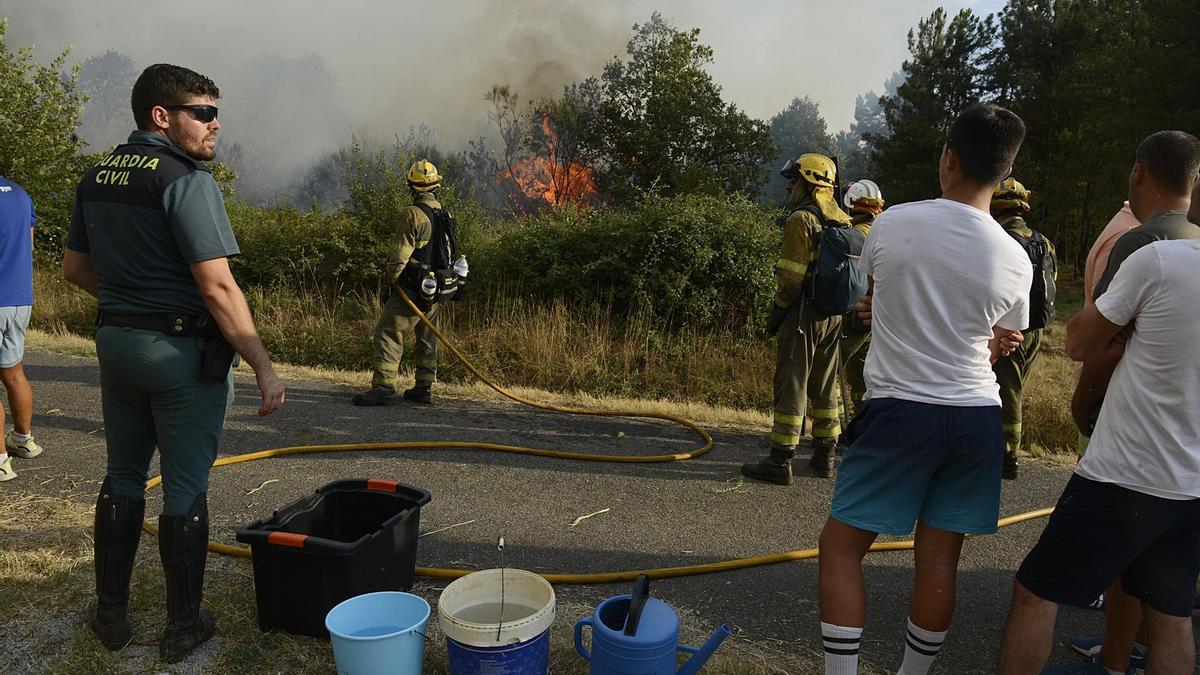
[[183, 325]]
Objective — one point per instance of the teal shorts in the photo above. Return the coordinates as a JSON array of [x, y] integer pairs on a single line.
[[153, 398], [910, 462]]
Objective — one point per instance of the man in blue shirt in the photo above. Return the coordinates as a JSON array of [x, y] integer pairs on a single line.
[[17, 220]]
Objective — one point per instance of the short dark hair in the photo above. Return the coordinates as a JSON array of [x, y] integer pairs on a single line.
[[1172, 158], [165, 84], [986, 139]]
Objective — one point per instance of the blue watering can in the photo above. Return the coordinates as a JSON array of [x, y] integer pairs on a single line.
[[639, 635]]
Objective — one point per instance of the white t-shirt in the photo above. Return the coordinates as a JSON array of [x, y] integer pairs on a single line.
[[945, 274], [1148, 436]]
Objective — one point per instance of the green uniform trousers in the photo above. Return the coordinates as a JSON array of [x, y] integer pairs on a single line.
[[805, 367], [1011, 373], [153, 397], [396, 322], [853, 348]]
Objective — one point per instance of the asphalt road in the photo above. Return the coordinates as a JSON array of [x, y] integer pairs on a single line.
[[658, 514]]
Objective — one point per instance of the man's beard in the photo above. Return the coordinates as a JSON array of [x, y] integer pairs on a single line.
[[195, 148]]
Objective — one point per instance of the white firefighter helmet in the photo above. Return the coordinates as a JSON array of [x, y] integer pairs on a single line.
[[863, 191]]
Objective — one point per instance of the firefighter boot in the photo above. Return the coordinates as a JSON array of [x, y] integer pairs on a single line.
[[420, 393], [776, 468], [822, 460], [183, 546], [376, 396], [117, 531], [1011, 466]]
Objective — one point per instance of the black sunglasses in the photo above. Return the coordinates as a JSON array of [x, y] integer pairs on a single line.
[[202, 113]]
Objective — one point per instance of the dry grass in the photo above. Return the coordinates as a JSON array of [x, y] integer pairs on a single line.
[[47, 558], [557, 354]]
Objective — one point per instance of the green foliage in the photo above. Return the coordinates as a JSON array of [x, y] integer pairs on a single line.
[[665, 125], [689, 259], [944, 75], [39, 109], [795, 130], [1090, 78]]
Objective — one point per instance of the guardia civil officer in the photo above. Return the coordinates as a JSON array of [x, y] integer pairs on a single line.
[[1010, 205], [423, 265], [806, 346], [149, 237]]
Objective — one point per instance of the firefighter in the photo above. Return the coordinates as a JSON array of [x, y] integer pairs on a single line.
[[864, 201], [806, 348], [1010, 204], [424, 266]]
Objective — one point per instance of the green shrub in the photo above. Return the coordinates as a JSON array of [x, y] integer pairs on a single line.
[[695, 260]]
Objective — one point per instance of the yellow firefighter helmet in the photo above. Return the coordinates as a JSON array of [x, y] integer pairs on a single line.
[[423, 176], [814, 168]]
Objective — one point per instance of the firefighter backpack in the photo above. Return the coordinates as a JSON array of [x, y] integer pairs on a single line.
[[836, 282], [1042, 290]]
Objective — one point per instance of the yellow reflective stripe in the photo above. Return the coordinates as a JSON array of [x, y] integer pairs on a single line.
[[790, 420], [386, 367], [422, 242], [791, 265], [825, 413], [785, 439], [830, 432], [404, 251], [1012, 427], [426, 363]]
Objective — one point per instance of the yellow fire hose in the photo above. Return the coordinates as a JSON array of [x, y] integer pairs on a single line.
[[589, 578]]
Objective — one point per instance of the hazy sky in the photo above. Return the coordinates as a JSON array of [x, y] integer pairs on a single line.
[[394, 64], [399, 63]]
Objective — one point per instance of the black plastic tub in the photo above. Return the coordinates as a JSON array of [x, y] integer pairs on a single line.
[[350, 537]]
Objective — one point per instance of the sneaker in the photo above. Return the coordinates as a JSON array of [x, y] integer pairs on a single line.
[[1089, 646], [6, 470], [1090, 667], [1098, 603], [27, 450]]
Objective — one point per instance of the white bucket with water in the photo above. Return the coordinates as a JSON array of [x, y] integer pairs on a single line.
[[480, 639]]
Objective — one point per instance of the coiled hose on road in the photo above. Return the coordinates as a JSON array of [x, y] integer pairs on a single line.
[[588, 578]]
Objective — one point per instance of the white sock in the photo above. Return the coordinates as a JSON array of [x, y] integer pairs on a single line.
[[20, 438], [1110, 671], [841, 648], [3, 457], [920, 650]]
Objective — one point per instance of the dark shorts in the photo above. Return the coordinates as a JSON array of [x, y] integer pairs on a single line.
[[1100, 531], [912, 461]]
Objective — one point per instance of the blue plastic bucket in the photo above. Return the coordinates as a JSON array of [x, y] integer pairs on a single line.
[[477, 642], [379, 633]]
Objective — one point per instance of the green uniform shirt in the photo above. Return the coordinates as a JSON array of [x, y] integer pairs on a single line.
[[413, 231], [144, 213], [800, 231]]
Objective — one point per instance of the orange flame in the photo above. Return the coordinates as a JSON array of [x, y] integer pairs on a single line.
[[547, 179]]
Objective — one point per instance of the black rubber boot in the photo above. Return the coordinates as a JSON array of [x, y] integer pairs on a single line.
[[376, 396], [419, 394], [117, 531], [776, 468], [823, 461], [183, 546], [1011, 466]]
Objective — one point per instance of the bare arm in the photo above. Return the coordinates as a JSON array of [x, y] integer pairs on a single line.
[[1089, 333], [1093, 384], [228, 307], [77, 269]]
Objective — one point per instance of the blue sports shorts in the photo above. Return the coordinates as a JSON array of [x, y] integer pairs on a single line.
[[912, 461]]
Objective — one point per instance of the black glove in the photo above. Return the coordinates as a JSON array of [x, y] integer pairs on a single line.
[[775, 318]]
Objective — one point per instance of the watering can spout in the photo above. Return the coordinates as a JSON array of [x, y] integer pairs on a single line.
[[700, 656]]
